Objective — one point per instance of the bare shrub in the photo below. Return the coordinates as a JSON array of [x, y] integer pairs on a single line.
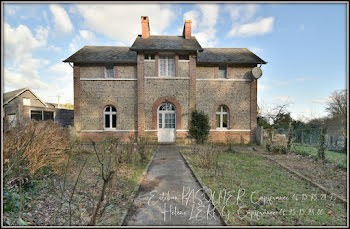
[[35, 145], [209, 156], [143, 148], [108, 168], [277, 144]]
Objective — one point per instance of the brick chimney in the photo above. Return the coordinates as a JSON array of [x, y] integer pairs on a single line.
[[187, 29], [145, 26]]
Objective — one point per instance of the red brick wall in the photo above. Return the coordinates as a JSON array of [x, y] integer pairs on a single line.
[[253, 109], [140, 95], [229, 136], [171, 100], [192, 87], [99, 136]]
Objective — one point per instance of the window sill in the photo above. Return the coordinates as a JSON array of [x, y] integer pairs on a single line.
[[110, 129], [150, 60], [167, 77]]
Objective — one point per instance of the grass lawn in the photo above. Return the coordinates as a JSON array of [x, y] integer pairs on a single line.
[[272, 195], [334, 157]]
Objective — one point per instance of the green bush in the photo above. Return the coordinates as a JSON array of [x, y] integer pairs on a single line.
[[199, 126]]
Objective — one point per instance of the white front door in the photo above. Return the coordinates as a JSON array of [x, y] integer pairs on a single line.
[[166, 123]]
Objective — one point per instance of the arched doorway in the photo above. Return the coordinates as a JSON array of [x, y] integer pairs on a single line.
[[166, 117]]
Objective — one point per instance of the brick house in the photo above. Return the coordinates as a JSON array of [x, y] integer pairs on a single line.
[[150, 88], [23, 104]]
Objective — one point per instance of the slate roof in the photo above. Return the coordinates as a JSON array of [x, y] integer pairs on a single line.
[[103, 54], [115, 54], [9, 96], [229, 56], [166, 43]]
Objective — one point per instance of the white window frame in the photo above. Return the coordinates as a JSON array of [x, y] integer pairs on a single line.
[[163, 113], [225, 72], [26, 101], [222, 113], [106, 75], [110, 113], [166, 66]]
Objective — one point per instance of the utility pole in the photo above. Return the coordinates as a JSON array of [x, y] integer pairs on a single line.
[[58, 103]]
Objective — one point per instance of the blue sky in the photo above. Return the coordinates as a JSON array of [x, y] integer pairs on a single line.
[[304, 44]]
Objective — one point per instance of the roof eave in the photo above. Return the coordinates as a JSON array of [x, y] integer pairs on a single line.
[[226, 62], [173, 50], [101, 62]]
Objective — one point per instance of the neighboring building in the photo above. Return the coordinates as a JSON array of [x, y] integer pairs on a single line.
[[151, 88], [23, 104]]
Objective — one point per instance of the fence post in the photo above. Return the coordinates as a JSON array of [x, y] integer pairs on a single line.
[[290, 137], [302, 136], [322, 143]]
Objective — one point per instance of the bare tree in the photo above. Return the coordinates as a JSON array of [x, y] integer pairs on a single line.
[[337, 107], [274, 111]]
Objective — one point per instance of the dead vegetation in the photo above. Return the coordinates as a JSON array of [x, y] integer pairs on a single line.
[[68, 184]]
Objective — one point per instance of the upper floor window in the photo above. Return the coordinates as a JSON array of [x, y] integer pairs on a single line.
[[222, 73], [222, 117], [149, 57], [184, 57], [109, 71], [166, 66], [26, 101], [110, 117]]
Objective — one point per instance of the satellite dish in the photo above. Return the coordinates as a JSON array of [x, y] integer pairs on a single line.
[[257, 72]]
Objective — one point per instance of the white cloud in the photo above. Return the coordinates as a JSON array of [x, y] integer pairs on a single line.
[[259, 27], [19, 42], [61, 19], [61, 69], [23, 69], [302, 27], [304, 79], [256, 49], [84, 38], [123, 21], [17, 80], [194, 16], [55, 48], [323, 100], [279, 83], [87, 35], [283, 99], [241, 13], [207, 16], [10, 9], [262, 87]]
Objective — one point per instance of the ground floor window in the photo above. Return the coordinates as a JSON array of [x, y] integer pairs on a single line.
[[222, 117], [41, 115], [110, 117]]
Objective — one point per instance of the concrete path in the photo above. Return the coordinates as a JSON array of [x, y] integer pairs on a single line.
[[170, 195]]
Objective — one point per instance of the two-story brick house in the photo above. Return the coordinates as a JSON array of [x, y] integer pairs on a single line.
[[150, 88]]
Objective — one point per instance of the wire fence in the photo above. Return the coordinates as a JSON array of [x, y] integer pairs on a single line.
[[310, 136]]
